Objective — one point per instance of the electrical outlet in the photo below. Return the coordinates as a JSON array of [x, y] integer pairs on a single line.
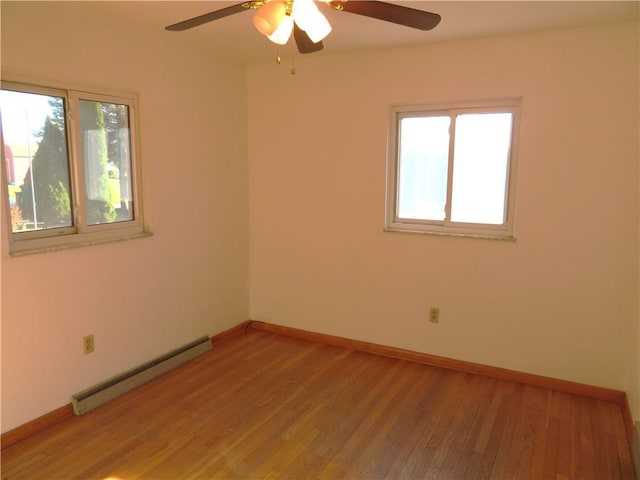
[[88, 344], [434, 315]]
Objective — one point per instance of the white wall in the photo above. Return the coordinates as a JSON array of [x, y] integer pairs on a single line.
[[561, 301], [144, 297]]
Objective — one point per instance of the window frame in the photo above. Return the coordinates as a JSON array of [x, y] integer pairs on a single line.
[[80, 233], [395, 223]]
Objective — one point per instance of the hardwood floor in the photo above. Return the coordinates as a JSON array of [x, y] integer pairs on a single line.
[[268, 406]]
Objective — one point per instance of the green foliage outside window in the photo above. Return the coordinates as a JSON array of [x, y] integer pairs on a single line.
[[94, 140], [48, 182]]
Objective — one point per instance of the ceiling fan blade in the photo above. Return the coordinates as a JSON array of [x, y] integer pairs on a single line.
[[208, 17], [304, 43], [409, 17]]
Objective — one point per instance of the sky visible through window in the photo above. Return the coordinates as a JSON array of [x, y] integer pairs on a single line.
[[480, 167], [23, 117], [424, 153]]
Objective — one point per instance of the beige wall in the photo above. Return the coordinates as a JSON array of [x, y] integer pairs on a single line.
[[144, 297], [561, 301]]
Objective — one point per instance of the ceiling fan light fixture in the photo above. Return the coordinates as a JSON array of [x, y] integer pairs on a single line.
[[283, 32], [279, 19], [268, 18], [308, 18]]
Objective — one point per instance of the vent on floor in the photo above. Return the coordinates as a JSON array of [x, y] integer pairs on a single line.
[[100, 394]]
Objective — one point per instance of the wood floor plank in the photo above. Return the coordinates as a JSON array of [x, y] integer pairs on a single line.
[[508, 441], [469, 439], [624, 454], [402, 409], [455, 457], [564, 438], [532, 449], [552, 445], [262, 405], [365, 442], [416, 436], [488, 442]]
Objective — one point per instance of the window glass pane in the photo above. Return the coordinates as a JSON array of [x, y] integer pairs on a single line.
[[480, 165], [106, 156], [37, 165], [423, 164]]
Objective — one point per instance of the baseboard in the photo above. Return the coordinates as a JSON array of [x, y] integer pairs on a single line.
[[566, 386], [37, 425], [231, 333], [65, 412]]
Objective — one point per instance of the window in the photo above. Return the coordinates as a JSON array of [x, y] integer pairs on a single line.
[[70, 166], [451, 169]]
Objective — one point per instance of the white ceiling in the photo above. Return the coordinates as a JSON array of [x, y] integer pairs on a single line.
[[235, 38]]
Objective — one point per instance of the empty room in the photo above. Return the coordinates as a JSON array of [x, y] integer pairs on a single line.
[[400, 242]]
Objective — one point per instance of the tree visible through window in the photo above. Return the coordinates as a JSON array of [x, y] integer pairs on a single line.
[[105, 154], [35, 133]]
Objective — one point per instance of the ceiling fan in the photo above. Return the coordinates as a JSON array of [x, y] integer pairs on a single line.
[[277, 19]]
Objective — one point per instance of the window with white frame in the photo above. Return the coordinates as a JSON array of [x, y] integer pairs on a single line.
[[70, 166], [451, 169]]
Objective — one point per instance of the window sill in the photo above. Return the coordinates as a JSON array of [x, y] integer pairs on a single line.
[[22, 251], [478, 236]]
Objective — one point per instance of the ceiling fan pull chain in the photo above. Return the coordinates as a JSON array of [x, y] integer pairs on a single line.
[[293, 66]]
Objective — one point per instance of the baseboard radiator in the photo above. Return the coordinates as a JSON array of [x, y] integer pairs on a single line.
[[103, 392]]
